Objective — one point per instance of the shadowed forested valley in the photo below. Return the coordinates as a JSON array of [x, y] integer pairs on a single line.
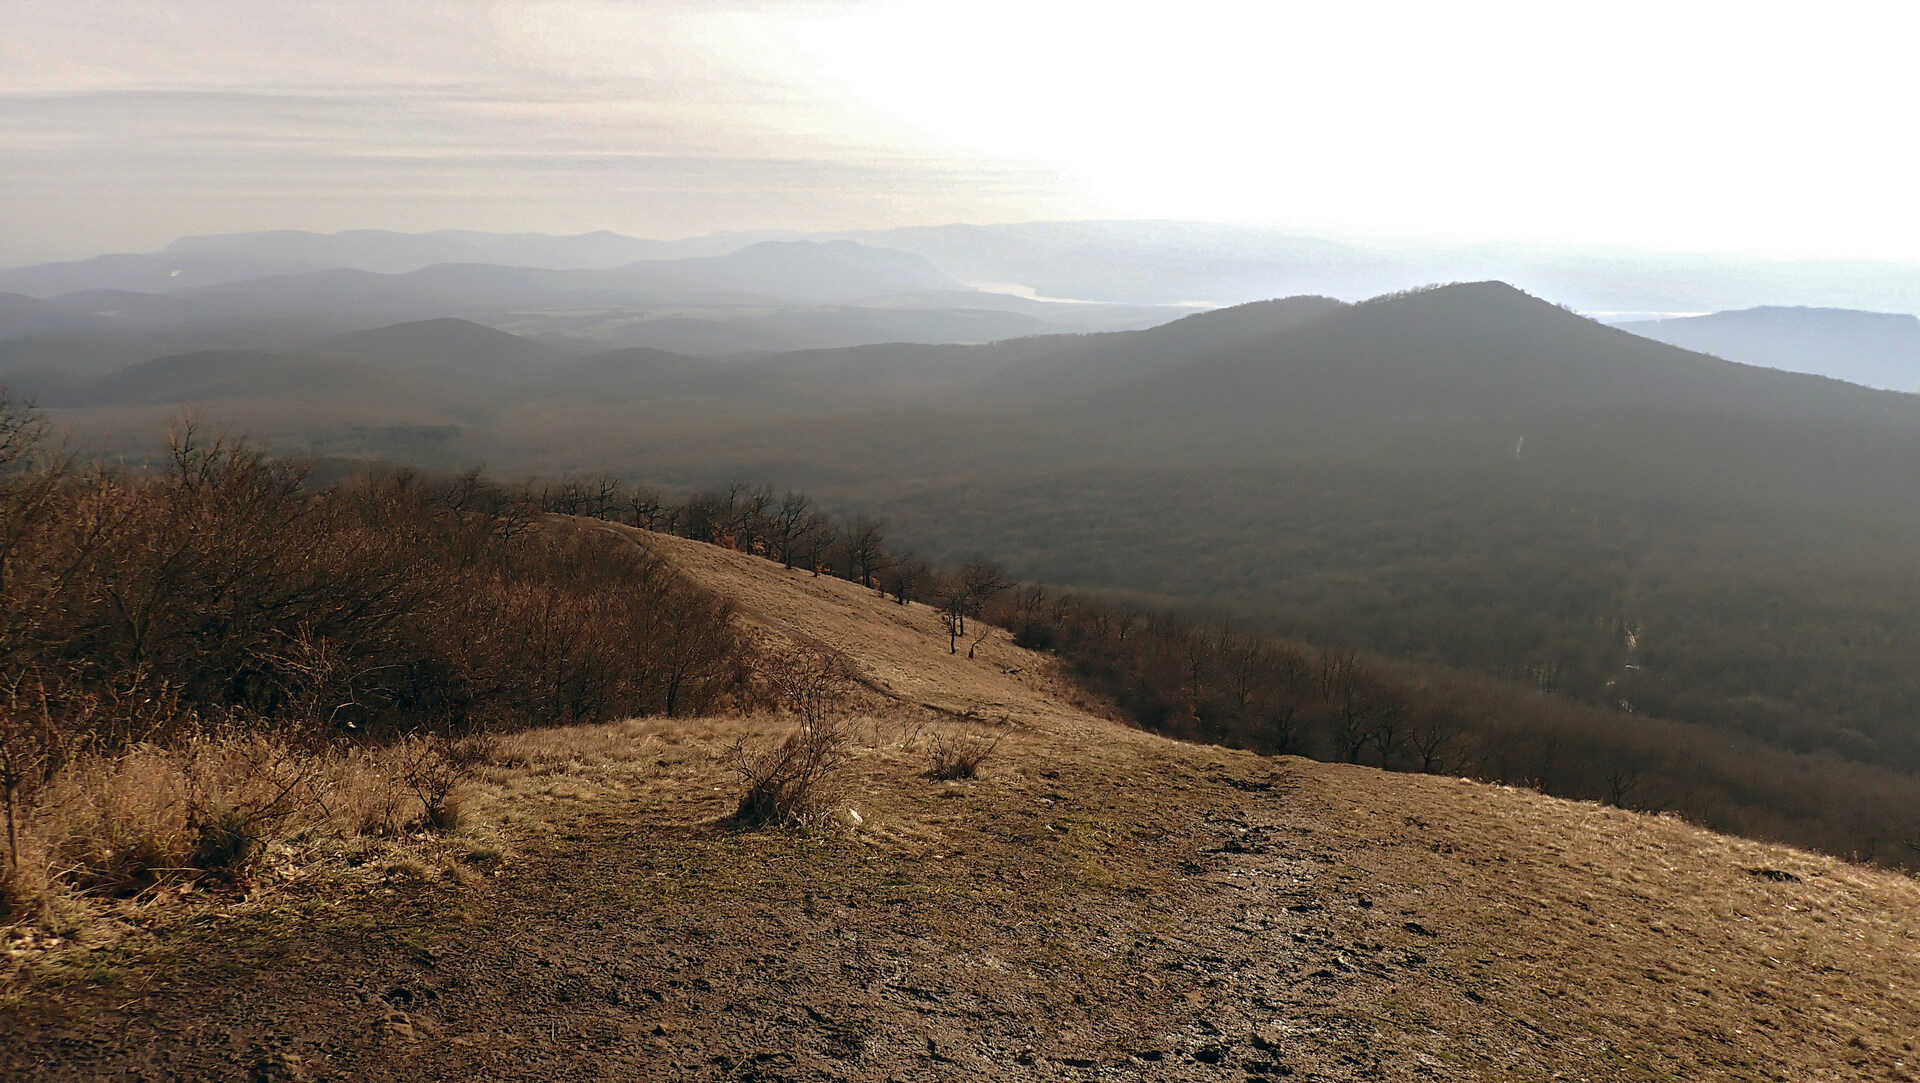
[[1465, 478]]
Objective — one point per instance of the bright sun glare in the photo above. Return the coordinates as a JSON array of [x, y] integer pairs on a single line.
[[1499, 119]]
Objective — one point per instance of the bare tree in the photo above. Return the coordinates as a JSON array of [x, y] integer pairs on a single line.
[[1196, 657], [644, 507], [1281, 732], [817, 540], [964, 594], [565, 498], [604, 497], [1346, 687], [28, 486], [27, 751], [1029, 603], [23, 431], [903, 578], [1623, 778], [787, 527], [1387, 728], [749, 520], [866, 549], [1244, 662], [1432, 733]]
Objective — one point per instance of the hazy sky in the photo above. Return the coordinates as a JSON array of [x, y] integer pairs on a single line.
[[1774, 128]]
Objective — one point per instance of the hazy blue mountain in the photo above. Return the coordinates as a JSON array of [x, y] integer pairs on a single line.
[[640, 373], [1876, 349], [1172, 262], [60, 370], [446, 350], [219, 375], [92, 311], [774, 286], [827, 272], [212, 260], [1022, 369], [1136, 262], [785, 329], [17, 306]]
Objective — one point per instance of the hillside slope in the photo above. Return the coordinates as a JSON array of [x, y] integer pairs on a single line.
[[1877, 349], [1101, 903], [1464, 476]]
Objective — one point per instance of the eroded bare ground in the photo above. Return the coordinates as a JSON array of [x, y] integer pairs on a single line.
[[1101, 904]]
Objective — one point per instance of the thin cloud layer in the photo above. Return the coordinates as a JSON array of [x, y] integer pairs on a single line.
[[1721, 126]]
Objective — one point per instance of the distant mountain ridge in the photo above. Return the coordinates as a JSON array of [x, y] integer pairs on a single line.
[[767, 296], [1118, 261], [1874, 349], [451, 350], [770, 272], [192, 262]]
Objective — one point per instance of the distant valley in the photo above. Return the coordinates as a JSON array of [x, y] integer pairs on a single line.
[[1466, 475]]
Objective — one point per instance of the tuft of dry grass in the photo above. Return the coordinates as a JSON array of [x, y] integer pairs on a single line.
[[120, 826], [959, 755]]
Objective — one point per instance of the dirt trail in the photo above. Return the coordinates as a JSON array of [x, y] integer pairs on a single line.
[[1102, 904]]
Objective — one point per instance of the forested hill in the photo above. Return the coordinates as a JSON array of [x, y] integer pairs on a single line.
[[1465, 474]]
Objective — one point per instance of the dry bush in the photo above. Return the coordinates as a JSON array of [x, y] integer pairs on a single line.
[[227, 584], [809, 678], [790, 784], [183, 652], [118, 824], [959, 755], [243, 789], [434, 768]]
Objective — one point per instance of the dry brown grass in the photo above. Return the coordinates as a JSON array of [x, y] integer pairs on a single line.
[[1699, 955], [1650, 949], [1556, 939], [111, 835], [958, 754]]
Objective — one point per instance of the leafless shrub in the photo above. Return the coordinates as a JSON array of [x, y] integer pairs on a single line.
[[29, 753], [115, 824], [959, 755], [810, 679], [791, 783], [241, 791], [433, 769]]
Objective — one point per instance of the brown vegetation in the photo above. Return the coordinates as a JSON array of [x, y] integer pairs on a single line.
[[1225, 683], [157, 626], [1215, 683], [1102, 901], [791, 783], [958, 755]]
